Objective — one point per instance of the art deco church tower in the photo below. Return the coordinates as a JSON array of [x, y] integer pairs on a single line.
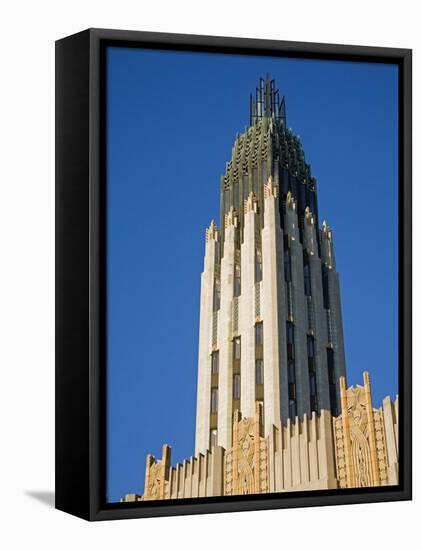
[[270, 323], [274, 413]]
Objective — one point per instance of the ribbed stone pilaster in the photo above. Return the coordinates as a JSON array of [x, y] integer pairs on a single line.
[[300, 310], [247, 320], [202, 436], [273, 307], [328, 257], [317, 317], [225, 376]]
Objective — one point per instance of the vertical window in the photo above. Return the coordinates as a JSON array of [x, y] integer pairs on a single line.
[[292, 392], [258, 265], [264, 171], [214, 400], [259, 334], [259, 371], [332, 381], [293, 184], [275, 170], [255, 180], [237, 280], [313, 390], [236, 386], [236, 348], [213, 438], [310, 342], [312, 384], [291, 370], [290, 340], [226, 200], [287, 260], [325, 286], [218, 252], [236, 195], [307, 274], [245, 186], [217, 293], [214, 362], [261, 417]]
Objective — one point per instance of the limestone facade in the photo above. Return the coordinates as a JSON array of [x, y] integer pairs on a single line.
[[274, 412]]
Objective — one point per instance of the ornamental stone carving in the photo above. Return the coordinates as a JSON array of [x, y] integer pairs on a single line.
[[247, 460], [361, 457], [157, 476]]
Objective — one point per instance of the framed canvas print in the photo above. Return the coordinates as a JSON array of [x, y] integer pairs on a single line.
[[233, 323]]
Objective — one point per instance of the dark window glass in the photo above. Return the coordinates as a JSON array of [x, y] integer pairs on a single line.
[[226, 200], [258, 334], [330, 365], [312, 384], [290, 332], [264, 171], [293, 183], [291, 372], [258, 265], [290, 341], [292, 391], [214, 362], [333, 400], [287, 260], [255, 180], [261, 417], [259, 371], [216, 301], [325, 286], [214, 400], [245, 187], [237, 280], [307, 274], [236, 348], [332, 381], [275, 170], [217, 252], [236, 195], [311, 345], [236, 386]]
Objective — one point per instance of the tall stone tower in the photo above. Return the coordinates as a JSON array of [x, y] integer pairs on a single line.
[[271, 335]]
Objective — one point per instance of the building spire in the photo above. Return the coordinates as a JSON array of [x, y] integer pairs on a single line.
[[267, 102]]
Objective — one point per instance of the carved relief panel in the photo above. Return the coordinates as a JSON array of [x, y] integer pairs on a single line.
[[246, 464], [361, 458]]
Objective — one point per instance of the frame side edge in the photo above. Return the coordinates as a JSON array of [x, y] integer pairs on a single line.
[[72, 263]]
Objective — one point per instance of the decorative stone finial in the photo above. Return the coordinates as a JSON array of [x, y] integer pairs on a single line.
[[270, 188], [290, 202], [326, 231], [211, 233], [309, 218], [230, 218], [251, 203]]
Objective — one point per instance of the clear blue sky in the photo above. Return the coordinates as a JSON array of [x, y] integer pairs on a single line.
[[171, 123]]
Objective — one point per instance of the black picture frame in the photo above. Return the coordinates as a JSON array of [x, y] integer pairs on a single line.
[[80, 273]]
